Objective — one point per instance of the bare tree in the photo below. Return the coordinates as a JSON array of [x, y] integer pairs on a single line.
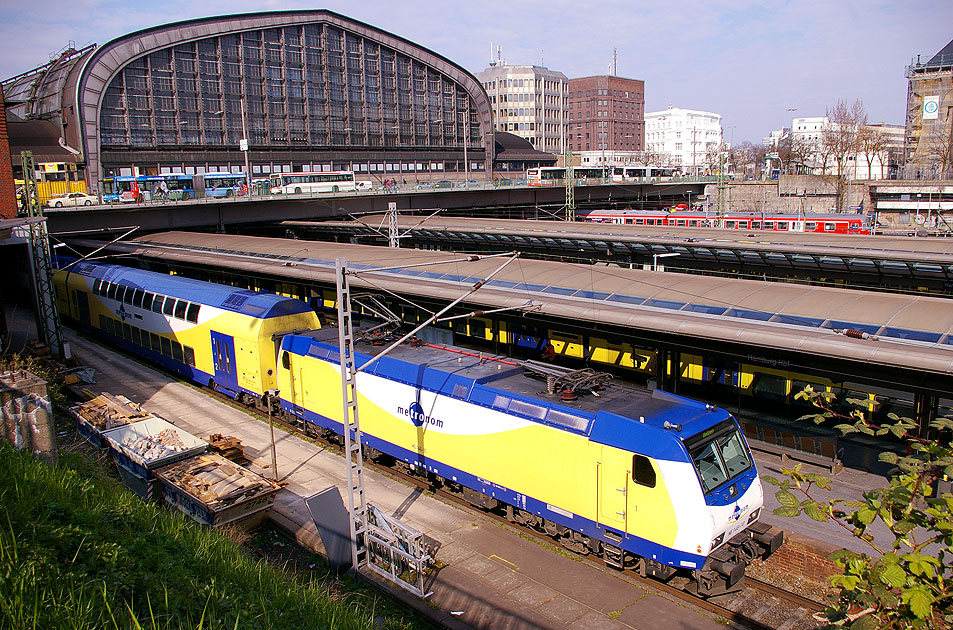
[[794, 151], [839, 139], [872, 143], [939, 151]]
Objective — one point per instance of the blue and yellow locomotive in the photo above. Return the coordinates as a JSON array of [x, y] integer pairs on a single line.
[[649, 480], [212, 334]]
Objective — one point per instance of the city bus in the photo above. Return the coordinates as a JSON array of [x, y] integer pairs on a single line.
[[555, 175], [312, 182], [223, 184], [129, 189]]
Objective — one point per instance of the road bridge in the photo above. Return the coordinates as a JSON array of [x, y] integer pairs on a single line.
[[221, 213]]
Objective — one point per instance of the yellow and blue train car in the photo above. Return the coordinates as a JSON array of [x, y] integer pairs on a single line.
[[650, 480], [212, 334]]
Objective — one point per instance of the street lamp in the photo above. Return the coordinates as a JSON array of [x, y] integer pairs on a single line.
[[243, 147], [655, 258]]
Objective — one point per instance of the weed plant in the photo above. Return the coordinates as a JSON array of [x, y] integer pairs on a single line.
[[78, 551]]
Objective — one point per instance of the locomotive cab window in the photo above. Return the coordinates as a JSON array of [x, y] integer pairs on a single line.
[[192, 315], [719, 454], [642, 471]]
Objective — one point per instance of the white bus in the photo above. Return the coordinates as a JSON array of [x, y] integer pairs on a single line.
[[320, 182], [556, 175]]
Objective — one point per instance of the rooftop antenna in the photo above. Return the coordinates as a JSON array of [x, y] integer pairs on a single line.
[[499, 56], [541, 57], [492, 61], [615, 61]]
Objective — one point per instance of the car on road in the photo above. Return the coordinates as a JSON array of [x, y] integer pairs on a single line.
[[443, 184], [470, 183], [424, 186], [72, 199]]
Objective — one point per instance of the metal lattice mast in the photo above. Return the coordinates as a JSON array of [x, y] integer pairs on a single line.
[[356, 496], [721, 200], [570, 189], [47, 317], [393, 239]]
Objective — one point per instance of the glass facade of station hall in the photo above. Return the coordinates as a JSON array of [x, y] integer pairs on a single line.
[[308, 89]]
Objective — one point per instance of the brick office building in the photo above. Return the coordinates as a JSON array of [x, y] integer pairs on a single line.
[[8, 206], [606, 113]]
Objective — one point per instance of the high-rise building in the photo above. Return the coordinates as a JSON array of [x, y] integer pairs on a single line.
[[929, 125], [606, 113], [684, 138], [529, 101]]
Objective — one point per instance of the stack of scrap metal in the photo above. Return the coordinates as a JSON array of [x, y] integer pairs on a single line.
[[227, 446], [104, 412], [216, 491]]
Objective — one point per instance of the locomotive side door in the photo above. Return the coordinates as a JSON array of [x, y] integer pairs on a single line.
[[82, 307], [614, 473], [223, 358]]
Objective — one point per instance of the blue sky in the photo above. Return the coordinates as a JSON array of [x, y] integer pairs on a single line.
[[748, 61]]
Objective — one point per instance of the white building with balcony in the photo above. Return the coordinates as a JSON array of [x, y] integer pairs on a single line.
[[683, 138]]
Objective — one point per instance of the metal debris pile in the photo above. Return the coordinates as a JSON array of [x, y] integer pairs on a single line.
[[157, 446]]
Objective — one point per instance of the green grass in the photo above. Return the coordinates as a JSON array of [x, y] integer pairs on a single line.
[[78, 551]]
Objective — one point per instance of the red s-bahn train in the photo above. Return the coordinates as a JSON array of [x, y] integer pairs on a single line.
[[775, 222]]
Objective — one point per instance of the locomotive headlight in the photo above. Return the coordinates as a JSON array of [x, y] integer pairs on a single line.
[[754, 516], [718, 541]]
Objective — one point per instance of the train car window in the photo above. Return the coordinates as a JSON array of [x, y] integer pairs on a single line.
[[286, 360], [177, 351], [769, 387], [136, 336], [127, 296], [783, 225], [111, 292], [830, 227], [693, 223], [640, 221], [730, 225], [169, 307], [108, 325], [680, 222], [628, 221], [127, 332], [810, 226], [166, 346], [477, 328], [193, 313], [180, 307], [756, 225], [189, 355], [137, 298], [147, 300], [102, 322], [769, 225], [157, 304], [642, 471], [156, 343]]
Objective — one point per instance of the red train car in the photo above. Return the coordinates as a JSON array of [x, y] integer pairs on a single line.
[[748, 221]]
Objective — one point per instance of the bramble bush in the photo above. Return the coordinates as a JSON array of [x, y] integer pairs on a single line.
[[908, 584]]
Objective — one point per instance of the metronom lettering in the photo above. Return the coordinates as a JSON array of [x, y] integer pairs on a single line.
[[418, 417]]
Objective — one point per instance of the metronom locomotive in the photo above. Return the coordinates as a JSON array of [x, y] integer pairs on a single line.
[[648, 480]]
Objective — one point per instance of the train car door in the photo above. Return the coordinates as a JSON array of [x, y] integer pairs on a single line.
[[613, 479], [82, 307], [223, 358]]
